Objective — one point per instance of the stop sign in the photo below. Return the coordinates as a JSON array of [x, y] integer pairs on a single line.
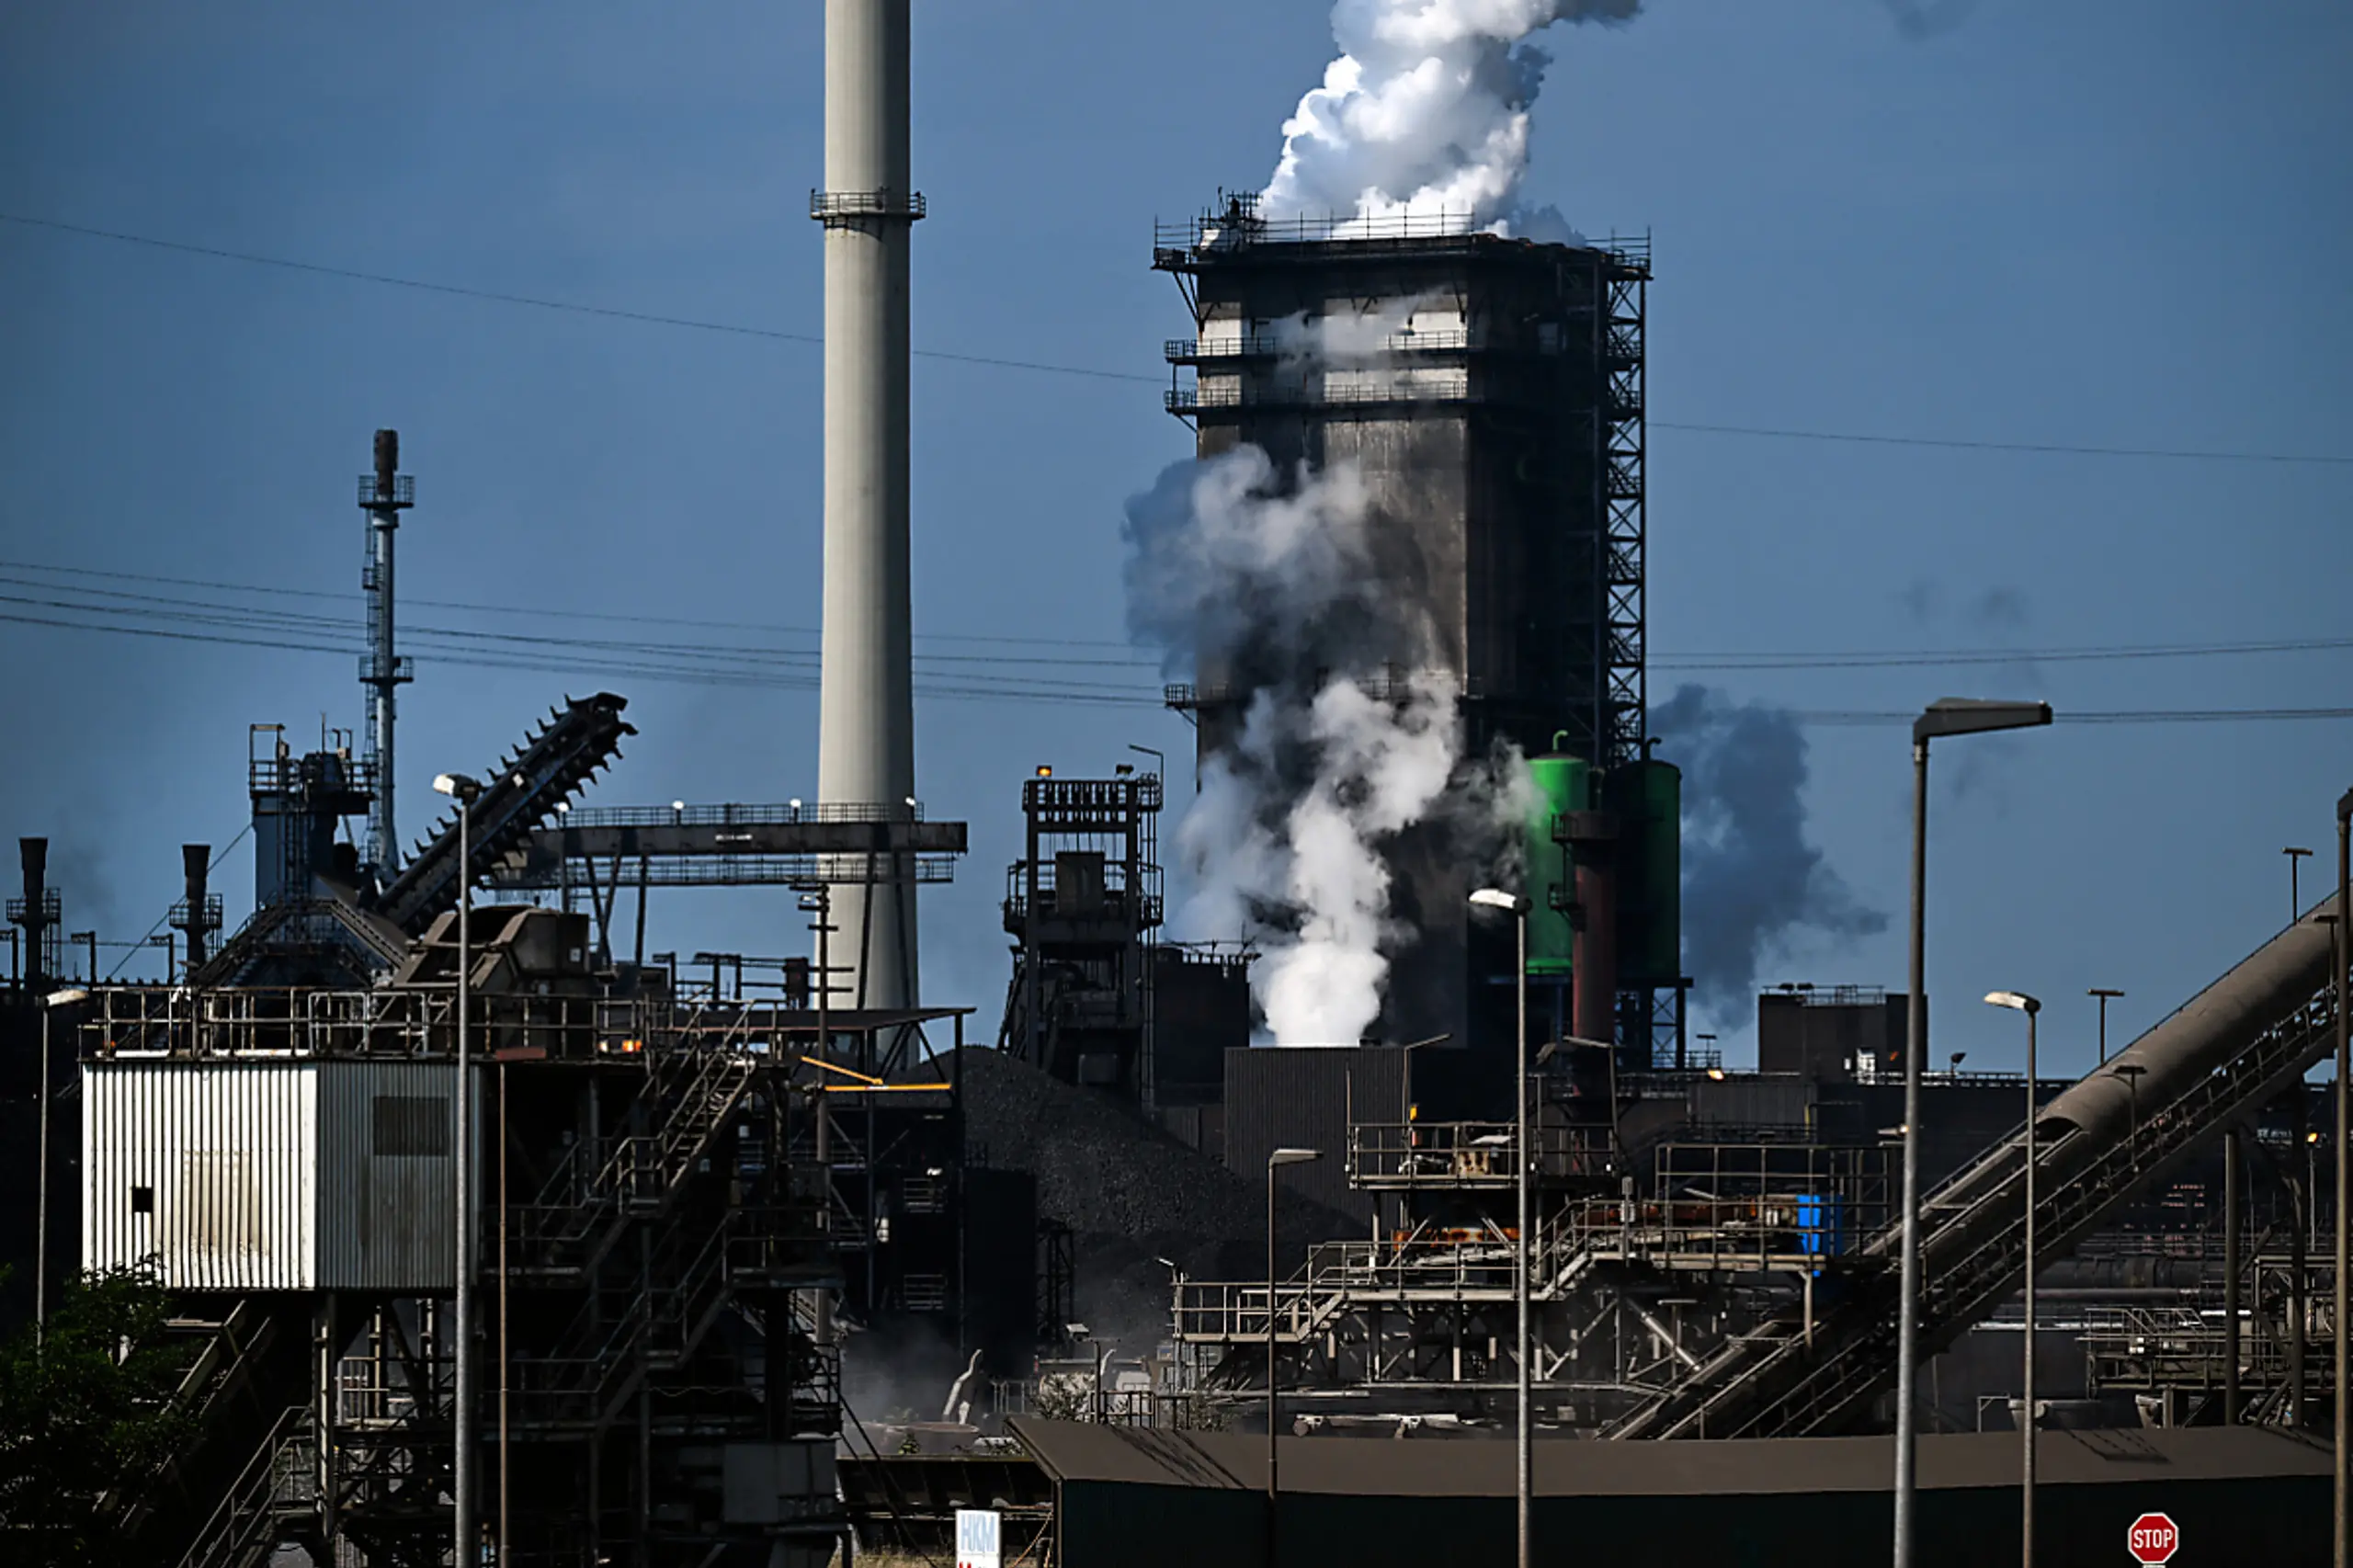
[[2154, 1537]]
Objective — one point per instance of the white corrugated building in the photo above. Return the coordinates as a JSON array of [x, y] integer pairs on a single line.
[[288, 1173]]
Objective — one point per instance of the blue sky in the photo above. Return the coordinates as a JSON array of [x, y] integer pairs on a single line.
[[2098, 223]]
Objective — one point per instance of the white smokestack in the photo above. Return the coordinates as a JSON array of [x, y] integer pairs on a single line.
[[866, 746], [1425, 111]]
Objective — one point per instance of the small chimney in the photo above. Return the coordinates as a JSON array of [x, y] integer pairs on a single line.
[[388, 462], [34, 943], [195, 860]]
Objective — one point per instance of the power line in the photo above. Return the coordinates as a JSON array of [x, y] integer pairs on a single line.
[[2053, 448], [1728, 661], [1069, 695], [737, 329], [505, 609], [649, 318]]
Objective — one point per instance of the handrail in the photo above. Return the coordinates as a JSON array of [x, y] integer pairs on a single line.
[[1848, 1359], [232, 1521]]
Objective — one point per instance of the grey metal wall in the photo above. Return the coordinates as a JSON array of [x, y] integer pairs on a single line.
[[1303, 1098], [204, 1169], [387, 1219]]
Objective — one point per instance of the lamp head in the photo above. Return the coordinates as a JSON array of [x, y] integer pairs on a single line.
[[65, 998], [457, 786], [1976, 715], [2017, 1001], [1495, 898], [1292, 1157]]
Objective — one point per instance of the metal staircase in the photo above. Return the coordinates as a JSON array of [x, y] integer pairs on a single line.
[[1775, 1381], [244, 1369], [275, 1498], [690, 1089]]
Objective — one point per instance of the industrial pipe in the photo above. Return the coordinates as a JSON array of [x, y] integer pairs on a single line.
[[1592, 839], [2179, 1053]]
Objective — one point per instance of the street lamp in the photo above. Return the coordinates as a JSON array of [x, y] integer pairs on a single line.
[[2106, 995], [2296, 857], [463, 791], [1946, 716], [1516, 906], [2019, 1002], [1275, 1162], [2340, 949], [49, 1004]]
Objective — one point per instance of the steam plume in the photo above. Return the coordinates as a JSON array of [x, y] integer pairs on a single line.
[[1752, 886], [1263, 581], [1426, 110]]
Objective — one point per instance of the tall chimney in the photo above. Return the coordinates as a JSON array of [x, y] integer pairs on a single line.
[[196, 861], [34, 921], [383, 495], [866, 699]]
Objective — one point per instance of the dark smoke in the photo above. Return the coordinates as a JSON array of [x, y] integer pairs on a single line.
[[1917, 19], [1752, 884]]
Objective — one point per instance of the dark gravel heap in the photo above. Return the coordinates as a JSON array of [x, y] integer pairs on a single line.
[[1131, 1194]]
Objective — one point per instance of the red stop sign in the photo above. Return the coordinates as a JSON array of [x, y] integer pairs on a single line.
[[2154, 1537]]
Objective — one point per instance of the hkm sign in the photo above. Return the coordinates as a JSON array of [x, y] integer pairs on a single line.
[[978, 1541]]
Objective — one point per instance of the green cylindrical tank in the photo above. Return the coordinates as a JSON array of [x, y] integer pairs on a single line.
[[1562, 784], [1648, 796]]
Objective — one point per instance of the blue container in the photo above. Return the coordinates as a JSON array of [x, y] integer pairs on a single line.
[[1822, 1226]]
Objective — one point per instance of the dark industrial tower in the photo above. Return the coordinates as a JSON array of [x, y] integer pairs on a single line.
[[1491, 396], [1082, 903]]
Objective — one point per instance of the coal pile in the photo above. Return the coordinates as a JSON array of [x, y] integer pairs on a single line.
[[1131, 1194]]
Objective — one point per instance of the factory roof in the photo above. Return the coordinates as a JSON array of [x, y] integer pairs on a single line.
[[1569, 1467]]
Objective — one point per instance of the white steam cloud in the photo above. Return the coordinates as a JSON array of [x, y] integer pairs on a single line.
[[1350, 737], [1426, 112]]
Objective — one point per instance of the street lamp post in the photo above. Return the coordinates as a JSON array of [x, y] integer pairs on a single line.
[[49, 1006], [2341, 950], [2106, 995], [2030, 1007], [1946, 716], [463, 791], [2296, 857], [1525, 1466], [1276, 1160]]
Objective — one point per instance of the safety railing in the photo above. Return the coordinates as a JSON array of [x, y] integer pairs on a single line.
[[279, 1479], [1459, 1155], [1776, 1384]]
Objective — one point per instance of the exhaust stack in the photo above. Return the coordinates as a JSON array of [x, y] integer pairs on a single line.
[[866, 700], [198, 916], [35, 915], [384, 494]]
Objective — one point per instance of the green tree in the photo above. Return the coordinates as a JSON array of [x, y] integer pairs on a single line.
[[86, 1409]]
